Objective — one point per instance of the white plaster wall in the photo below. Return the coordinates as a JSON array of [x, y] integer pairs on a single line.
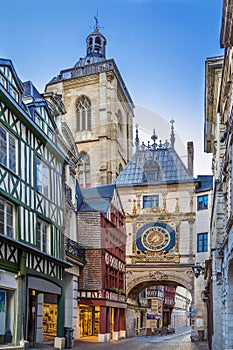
[[71, 303]]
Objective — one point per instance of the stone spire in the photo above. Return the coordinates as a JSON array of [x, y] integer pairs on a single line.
[[137, 138], [172, 139]]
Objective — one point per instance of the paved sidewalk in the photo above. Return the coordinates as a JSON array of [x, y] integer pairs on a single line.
[[179, 340]]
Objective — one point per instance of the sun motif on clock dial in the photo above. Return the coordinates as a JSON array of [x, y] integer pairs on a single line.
[[155, 238]]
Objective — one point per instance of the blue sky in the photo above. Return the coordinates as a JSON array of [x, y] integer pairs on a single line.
[[160, 47]]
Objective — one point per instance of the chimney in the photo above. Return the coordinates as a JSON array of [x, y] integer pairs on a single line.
[[190, 156]]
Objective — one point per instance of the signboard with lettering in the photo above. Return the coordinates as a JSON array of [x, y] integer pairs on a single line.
[[114, 262]]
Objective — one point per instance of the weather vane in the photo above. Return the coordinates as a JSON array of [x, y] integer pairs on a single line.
[[97, 26]]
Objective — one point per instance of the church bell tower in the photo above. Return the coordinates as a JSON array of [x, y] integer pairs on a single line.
[[99, 112]]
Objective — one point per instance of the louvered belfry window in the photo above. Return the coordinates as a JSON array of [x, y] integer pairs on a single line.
[[83, 108]]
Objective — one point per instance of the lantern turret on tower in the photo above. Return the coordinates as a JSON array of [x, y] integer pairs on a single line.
[[96, 47]]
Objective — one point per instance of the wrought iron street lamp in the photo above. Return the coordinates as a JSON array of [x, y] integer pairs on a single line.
[[198, 270]]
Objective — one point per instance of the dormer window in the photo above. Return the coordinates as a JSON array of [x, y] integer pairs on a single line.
[[152, 171], [7, 80]]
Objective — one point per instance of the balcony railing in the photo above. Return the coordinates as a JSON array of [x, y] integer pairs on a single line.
[[74, 250], [97, 67]]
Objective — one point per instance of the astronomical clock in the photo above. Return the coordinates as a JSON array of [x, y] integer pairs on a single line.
[[157, 241]]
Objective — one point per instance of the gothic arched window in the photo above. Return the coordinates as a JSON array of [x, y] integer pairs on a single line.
[[83, 108], [84, 171], [119, 120]]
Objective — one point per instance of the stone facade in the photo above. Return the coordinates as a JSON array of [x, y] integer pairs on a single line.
[[156, 173], [218, 141]]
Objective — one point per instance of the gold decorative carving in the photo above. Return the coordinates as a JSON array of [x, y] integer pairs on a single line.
[[177, 208], [152, 257]]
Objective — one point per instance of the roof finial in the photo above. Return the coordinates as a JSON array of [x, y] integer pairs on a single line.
[[172, 139], [96, 28], [154, 138], [137, 138]]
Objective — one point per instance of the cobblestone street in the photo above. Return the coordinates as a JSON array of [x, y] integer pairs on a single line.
[[171, 342]]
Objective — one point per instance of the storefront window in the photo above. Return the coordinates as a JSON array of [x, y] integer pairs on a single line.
[[7, 314], [97, 321], [50, 316]]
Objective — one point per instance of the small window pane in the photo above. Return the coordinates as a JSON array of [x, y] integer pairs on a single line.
[[3, 146], [202, 242], [43, 236], [7, 149], [6, 218], [2, 81], [202, 202], [12, 153], [14, 93], [150, 201], [42, 176]]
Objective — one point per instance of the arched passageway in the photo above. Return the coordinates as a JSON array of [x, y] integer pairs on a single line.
[[152, 294]]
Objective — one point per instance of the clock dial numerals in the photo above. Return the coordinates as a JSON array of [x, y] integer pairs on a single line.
[[156, 237]]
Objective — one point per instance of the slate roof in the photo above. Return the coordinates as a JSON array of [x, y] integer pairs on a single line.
[[97, 198], [30, 90], [205, 183], [154, 166]]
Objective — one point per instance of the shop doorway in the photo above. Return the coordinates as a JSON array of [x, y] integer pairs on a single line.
[[48, 304], [50, 316], [89, 320]]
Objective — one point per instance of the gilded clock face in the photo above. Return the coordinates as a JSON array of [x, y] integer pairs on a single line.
[[158, 236]]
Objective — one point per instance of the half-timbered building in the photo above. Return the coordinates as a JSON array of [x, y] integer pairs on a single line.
[[31, 214]]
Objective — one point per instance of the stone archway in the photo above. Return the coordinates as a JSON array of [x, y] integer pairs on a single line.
[[141, 277]]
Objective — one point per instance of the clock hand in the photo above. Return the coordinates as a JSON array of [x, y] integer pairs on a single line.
[[155, 238]]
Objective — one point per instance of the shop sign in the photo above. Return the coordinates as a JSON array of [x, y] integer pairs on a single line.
[[96, 294], [104, 294], [151, 293], [2, 312], [114, 262], [114, 296]]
